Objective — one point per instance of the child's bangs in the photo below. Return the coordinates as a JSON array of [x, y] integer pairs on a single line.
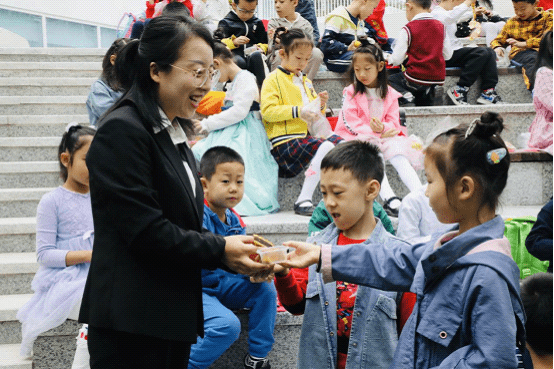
[[299, 42], [362, 55]]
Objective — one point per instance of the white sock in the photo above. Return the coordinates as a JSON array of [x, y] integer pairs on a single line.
[[313, 173], [406, 172], [387, 193]]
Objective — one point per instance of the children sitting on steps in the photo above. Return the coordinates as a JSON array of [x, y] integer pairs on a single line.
[[222, 179], [289, 19], [344, 325], [370, 113], [245, 35], [425, 68], [284, 92], [524, 32], [343, 27], [468, 311], [239, 126], [474, 61]]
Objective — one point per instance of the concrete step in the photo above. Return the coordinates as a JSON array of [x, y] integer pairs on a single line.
[[50, 69], [51, 54], [29, 148], [45, 86], [41, 105], [510, 87], [38, 125], [29, 174], [421, 121], [20, 202], [10, 327], [17, 235], [10, 359], [16, 272]]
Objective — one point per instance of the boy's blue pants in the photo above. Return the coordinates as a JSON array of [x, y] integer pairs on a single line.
[[221, 325]]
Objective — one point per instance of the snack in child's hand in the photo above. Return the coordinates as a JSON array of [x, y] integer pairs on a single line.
[[262, 242]]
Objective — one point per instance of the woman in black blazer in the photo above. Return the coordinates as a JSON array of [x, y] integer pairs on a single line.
[[143, 296]]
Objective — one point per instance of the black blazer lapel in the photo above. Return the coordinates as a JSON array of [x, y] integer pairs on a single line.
[[199, 190], [168, 148]]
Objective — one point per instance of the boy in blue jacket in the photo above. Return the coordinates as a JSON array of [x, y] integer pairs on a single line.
[[222, 179]]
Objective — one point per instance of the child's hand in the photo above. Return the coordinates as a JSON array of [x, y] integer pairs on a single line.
[[241, 40], [480, 10], [264, 276], [197, 126], [324, 97], [499, 52], [353, 45], [390, 133], [305, 255], [514, 42], [280, 270], [376, 125], [270, 33], [308, 116]]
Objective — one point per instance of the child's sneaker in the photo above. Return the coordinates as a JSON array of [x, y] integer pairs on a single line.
[[458, 95], [251, 362], [489, 97]]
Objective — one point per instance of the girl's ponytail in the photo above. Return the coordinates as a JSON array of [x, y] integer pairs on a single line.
[[488, 125], [126, 63]]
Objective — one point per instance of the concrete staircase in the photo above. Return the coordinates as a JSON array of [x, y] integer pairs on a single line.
[[42, 90]]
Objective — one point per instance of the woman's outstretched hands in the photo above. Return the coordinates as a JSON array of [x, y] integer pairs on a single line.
[[237, 256], [305, 255]]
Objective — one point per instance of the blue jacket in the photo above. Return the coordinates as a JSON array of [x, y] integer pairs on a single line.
[[100, 98], [373, 337], [212, 223], [468, 309]]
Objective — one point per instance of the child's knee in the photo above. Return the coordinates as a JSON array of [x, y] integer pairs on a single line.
[[227, 328]]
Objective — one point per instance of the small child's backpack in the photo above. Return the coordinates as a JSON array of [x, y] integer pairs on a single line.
[[125, 25], [516, 231]]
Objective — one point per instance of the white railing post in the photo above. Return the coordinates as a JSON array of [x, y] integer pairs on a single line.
[[44, 37]]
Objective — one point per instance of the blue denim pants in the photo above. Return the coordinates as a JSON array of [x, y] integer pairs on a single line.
[[307, 10], [221, 325]]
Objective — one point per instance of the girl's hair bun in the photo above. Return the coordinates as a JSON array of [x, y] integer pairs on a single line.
[[489, 124], [366, 41]]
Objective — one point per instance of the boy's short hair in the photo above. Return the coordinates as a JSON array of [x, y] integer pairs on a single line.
[[536, 295], [215, 156], [425, 4], [248, 1], [361, 158], [176, 8], [532, 2]]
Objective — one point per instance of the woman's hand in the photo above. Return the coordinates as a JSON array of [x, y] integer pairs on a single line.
[[305, 255], [324, 97], [237, 256], [376, 125]]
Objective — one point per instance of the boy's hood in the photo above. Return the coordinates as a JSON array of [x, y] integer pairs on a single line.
[[342, 13]]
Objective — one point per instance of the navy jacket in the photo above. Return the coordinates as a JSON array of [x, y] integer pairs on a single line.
[[253, 29]]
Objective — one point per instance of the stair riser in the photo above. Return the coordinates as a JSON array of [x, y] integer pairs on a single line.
[[38, 130], [10, 332], [76, 73], [27, 153], [25, 242], [30, 180], [13, 284], [43, 109], [18, 208], [78, 90]]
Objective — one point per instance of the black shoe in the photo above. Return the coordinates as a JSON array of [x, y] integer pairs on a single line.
[[250, 363], [406, 101], [304, 210], [390, 211]]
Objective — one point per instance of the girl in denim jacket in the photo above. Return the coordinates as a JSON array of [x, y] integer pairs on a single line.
[[468, 312]]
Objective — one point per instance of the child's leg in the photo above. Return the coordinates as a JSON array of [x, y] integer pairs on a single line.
[[221, 329], [314, 63], [475, 61], [240, 61], [275, 61], [306, 9], [399, 83], [256, 64], [527, 58], [341, 63], [261, 299], [312, 174], [406, 172]]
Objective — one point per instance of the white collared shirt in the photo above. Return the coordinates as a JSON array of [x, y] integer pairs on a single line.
[[177, 136]]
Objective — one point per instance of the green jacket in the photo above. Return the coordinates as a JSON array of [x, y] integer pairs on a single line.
[[321, 218]]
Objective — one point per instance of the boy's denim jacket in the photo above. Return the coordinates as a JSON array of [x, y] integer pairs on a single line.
[[468, 312], [373, 337]]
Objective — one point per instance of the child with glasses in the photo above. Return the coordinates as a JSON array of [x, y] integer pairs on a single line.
[[246, 36]]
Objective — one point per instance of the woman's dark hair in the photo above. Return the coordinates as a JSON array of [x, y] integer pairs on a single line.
[[544, 57], [293, 38], [161, 43], [108, 70], [176, 8], [71, 142], [456, 155], [372, 53]]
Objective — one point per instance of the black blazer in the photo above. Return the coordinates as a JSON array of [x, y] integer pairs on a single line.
[[149, 245]]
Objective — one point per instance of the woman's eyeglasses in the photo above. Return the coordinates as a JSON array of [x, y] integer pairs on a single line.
[[200, 75]]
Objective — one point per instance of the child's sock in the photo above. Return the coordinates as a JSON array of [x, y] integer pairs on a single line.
[[387, 193], [406, 172], [313, 172]]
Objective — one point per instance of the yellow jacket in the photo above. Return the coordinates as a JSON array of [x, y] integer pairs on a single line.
[[280, 104]]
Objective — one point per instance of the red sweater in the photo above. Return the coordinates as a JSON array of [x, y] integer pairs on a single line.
[[375, 20], [426, 65]]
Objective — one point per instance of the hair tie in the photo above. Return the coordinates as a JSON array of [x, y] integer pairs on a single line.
[[470, 128], [495, 156]]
